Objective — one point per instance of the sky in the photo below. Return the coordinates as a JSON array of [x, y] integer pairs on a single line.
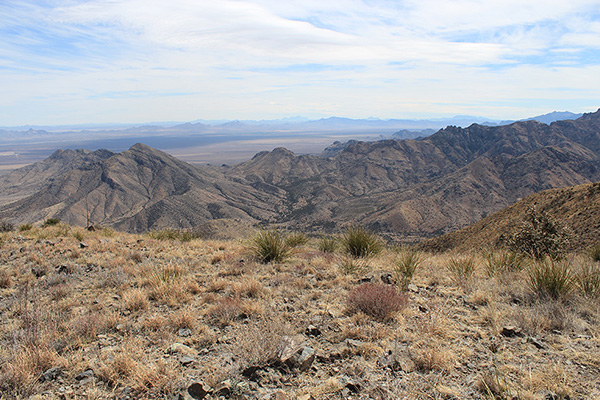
[[128, 61]]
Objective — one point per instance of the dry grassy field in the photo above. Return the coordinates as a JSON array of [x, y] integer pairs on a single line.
[[104, 315]]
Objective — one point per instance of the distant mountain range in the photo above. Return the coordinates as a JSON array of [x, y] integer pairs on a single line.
[[419, 187]]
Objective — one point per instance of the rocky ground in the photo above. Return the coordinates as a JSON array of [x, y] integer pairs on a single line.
[[95, 315]]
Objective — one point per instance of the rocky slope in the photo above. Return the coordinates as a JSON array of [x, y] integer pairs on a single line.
[[411, 187]]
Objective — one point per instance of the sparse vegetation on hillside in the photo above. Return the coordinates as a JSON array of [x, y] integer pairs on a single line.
[[140, 317]]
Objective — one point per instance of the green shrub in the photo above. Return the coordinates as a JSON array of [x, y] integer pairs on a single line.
[[268, 246], [327, 244], [6, 226], [540, 236], [360, 242], [405, 265], [377, 300], [25, 227], [503, 261], [551, 279], [296, 239], [51, 222], [461, 268]]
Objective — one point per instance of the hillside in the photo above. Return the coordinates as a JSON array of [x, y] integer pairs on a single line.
[[417, 188], [577, 207], [109, 315]]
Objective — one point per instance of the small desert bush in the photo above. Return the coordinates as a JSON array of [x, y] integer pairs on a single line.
[[327, 244], [540, 236], [503, 261], [360, 242], [461, 268], [79, 235], [379, 301], [51, 222], [6, 279], [551, 279], [269, 246], [25, 227], [6, 226], [405, 266], [296, 239], [224, 311]]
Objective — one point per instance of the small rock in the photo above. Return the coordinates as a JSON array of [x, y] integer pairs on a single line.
[[511, 331], [51, 374], [185, 361], [197, 391], [365, 279], [423, 308], [295, 354], [413, 288], [184, 332], [88, 373], [224, 388], [388, 279], [306, 397], [182, 349], [313, 331], [353, 343], [536, 342], [91, 228], [83, 245], [279, 395]]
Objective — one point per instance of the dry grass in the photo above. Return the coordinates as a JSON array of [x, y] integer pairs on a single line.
[[119, 305]]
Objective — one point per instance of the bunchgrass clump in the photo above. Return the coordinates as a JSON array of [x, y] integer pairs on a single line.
[[551, 279], [269, 246], [405, 265], [461, 268], [296, 239], [588, 279], [503, 261], [327, 244], [25, 227], [360, 242], [377, 300], [350, 265], [51, 222]]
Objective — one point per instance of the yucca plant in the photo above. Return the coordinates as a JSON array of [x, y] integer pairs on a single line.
[[405, 266], [588, 278], [351, 265], [269, 246], [296, 239], [359, 242], [551, 279], [327, 244]]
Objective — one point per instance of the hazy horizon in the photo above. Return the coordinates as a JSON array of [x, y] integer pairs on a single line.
[[130, 61]]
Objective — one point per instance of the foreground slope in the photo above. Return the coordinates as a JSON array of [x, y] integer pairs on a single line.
[[411, 187]]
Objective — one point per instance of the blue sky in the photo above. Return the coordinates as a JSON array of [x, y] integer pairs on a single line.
[[99, 61]]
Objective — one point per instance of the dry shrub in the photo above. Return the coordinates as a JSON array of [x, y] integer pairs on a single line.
[[350, 265], [249, 288], [376, 300], [20, 372], [428, 357], [155, 323], [6, 279], [260, 342], [224, 311], [184, 318], [167, 284], [135, 299], [503, 261], [461, 268]]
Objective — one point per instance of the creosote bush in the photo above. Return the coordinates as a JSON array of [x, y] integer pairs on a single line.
[[269, 246], [405, 266], [379, 301], [551, 279], [360, 242]]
